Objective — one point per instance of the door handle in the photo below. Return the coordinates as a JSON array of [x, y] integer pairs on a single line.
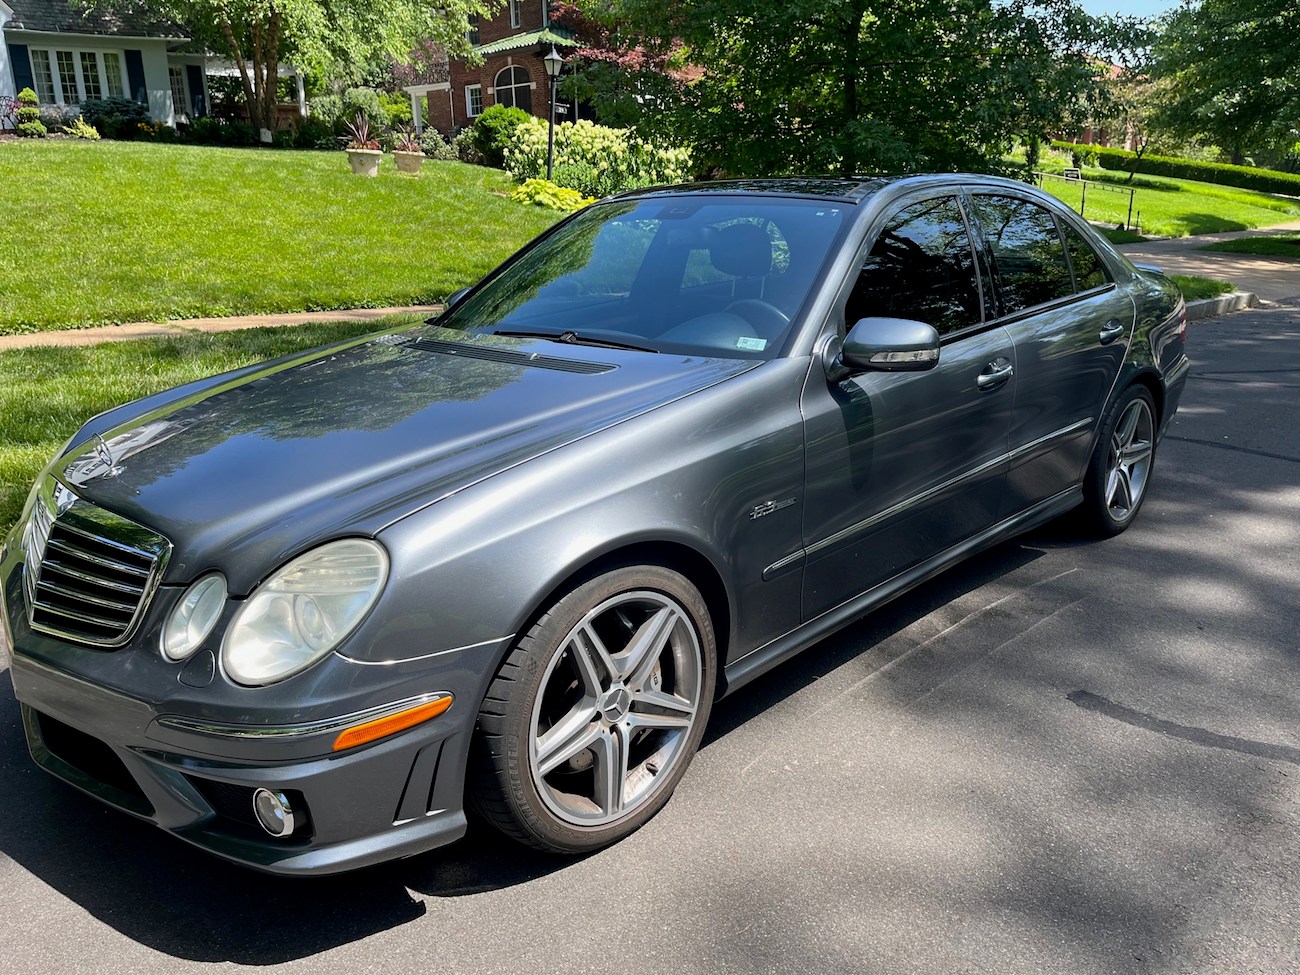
[[1112, 330], [994, 375]]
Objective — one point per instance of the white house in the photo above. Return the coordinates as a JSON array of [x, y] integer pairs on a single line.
[[68, 56]]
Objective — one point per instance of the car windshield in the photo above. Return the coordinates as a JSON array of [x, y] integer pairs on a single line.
[[719, 276]]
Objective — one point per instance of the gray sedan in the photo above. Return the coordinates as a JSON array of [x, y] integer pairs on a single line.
[[302, 614]]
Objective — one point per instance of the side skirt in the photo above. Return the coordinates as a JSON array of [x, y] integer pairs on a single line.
[[760, 661]]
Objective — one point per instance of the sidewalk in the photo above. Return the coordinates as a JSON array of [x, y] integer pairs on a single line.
[[140, 330], [1271, 278]]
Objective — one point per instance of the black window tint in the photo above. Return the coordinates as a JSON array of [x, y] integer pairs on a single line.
[[1028, 258], [921, 267], [1089, 270]]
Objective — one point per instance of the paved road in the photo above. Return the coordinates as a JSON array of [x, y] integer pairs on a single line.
[[1063, 757]]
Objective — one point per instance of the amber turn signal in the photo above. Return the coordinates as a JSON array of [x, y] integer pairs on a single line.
[[383, 727]]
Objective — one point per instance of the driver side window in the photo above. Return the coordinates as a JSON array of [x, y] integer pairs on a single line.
[[921, 267]]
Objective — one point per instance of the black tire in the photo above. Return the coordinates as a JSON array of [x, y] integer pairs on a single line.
[[564, 675], [1123, 460]]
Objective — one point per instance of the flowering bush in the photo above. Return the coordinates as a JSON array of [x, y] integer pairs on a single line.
[[542, 193], [593, 159], [436, 147]]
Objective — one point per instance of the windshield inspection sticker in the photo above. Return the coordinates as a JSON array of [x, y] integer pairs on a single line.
[[751, 344]]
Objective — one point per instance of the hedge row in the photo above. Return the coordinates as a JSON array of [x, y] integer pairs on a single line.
[[1263, 180]]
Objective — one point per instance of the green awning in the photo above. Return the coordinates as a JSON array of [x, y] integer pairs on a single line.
[[532, 38]]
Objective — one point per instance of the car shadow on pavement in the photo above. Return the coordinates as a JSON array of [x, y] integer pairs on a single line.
[[184, 902]]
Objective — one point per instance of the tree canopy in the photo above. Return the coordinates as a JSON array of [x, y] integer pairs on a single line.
[[847, 85], [1233, 72]]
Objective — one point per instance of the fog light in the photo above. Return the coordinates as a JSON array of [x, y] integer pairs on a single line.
[[273, 812]]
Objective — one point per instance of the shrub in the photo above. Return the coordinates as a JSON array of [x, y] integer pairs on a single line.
[[594, 159], [1244, 177], [239, 133], [55, 117], [436, 147], [115, 118], [544, 193], [29, 116], [466, 150], [494, 130], [315, 133], [204, 130], [79, 128], [326, 109], [397, 107]]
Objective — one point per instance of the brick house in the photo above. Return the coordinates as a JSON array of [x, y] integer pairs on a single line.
[[512, 45]]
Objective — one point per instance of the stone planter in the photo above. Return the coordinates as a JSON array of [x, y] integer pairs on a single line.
[[409, 162], [365, 162]]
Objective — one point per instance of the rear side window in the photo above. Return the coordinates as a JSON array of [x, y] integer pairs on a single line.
[[921, 267], [1029, 262], [1089, 269]]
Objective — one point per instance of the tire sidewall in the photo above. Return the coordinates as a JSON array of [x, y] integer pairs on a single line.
[[540, 645], [1097, 508]]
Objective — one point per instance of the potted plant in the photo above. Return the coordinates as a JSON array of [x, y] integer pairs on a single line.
[[407, 152], [363, 149]]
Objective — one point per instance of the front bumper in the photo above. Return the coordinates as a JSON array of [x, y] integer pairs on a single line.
[[124, 727]]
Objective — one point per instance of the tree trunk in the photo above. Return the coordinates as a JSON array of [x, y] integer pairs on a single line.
[[848, 142]]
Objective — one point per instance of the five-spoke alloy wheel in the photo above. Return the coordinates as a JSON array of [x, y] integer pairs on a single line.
[[1121, 464], [597, 711]]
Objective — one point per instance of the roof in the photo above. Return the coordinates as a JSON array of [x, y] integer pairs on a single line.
[[69, 17], [557, 36], [817, 187]]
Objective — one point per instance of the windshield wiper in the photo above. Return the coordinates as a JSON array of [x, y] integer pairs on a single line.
[[572, 338]]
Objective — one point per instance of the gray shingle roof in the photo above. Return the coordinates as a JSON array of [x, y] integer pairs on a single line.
[[70, 16]]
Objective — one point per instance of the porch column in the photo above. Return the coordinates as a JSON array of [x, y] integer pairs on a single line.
[[302, 93], [417, 116]]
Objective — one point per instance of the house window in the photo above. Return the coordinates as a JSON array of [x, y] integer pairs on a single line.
[[90, 75], [113, 74], [471, 35], [473, 100], [514, 89], [180, 103], [43, 77], [516, 12], [67, 67], [72, 77]]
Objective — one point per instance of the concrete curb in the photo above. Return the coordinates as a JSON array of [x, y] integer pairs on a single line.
[[1221, 305]]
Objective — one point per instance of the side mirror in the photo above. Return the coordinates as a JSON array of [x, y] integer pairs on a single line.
[[454, 297], [890, 345]]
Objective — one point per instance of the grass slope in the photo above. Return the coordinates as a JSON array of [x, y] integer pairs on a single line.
[[1166, 207], [1286, 244], [1194, 288], [96, 233], [47, 393]]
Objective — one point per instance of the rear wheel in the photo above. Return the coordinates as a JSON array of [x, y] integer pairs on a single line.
[[597, 711], [1122, 461]]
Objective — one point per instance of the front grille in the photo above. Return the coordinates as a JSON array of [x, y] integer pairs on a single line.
[[90, 572]]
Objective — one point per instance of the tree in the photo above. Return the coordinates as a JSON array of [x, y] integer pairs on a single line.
[[258, 35], [1233, 71], [852, 85]]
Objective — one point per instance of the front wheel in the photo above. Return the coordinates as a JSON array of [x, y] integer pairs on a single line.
[[1122, 461], [597, 711]]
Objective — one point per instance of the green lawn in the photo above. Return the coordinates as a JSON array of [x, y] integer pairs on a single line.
[[1165, 207], [93, 233], [1285, 244], [1194, 288], [47, 393]]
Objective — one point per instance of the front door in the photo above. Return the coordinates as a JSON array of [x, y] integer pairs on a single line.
[[901, 466]]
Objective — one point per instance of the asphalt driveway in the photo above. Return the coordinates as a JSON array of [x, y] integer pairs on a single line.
[[1063, 756]]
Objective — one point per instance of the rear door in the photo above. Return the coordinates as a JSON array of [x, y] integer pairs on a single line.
[[1071, 326], [901, 466]]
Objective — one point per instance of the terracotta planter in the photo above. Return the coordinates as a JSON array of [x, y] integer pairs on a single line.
[[409, 162], [365, 162]]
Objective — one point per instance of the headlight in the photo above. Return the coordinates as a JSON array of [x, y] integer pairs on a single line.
[[192, 620], [304, 610]]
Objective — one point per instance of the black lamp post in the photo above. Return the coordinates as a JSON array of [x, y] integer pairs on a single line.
[[554, 65]]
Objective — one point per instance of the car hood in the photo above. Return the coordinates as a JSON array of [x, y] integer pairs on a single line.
[[244, 474]]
